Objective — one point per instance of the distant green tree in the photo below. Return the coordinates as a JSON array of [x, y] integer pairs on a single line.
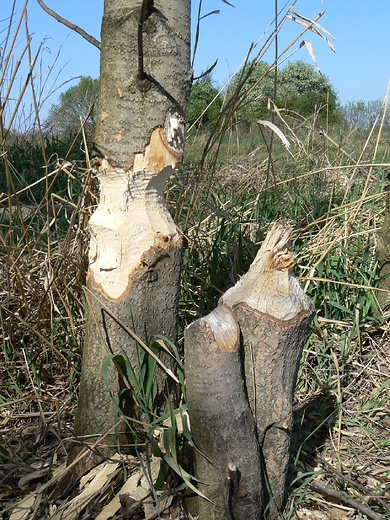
[[203, 93], [363, 114], [303, 89], [300, 88], [76, 105], [256, 88]]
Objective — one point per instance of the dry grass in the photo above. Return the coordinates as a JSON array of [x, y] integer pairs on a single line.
[[341, 437], [342, 410], [343, 425]]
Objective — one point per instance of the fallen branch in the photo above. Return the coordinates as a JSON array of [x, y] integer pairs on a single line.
[[356, 485], [341, 496]]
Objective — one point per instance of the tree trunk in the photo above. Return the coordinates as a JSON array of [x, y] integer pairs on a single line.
[[135, 249], [241, 367]]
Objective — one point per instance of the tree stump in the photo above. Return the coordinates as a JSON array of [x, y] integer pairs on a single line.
[[241, 368]]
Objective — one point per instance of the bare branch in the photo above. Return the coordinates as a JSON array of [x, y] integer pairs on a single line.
[[356, 485], [341, 496], [72, 26]]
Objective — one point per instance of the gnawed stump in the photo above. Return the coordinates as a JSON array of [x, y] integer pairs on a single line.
[[241, 368]]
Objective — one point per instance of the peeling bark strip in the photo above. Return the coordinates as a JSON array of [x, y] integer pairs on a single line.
[[135, 250], [269, 313]]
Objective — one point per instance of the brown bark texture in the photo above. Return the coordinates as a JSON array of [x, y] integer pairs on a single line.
[[222, 422], [135, 249], [241, 368]]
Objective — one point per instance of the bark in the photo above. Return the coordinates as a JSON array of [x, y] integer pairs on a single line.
[[222, 423], [135, 249], [272, 314]]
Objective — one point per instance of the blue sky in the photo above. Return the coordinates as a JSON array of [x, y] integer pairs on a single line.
[[359, 69]]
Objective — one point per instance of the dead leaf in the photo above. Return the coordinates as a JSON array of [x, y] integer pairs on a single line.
[[23, 509], [115, 504], [92, 483]]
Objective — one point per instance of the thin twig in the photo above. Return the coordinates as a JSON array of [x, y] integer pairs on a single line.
[[70, 25], [356, 485]]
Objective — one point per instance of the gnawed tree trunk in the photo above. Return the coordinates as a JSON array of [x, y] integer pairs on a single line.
[[135, 250], [241, 367]]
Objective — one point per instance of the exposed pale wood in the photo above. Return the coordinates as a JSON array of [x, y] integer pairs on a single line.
[[131, 226], [270, 287]]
